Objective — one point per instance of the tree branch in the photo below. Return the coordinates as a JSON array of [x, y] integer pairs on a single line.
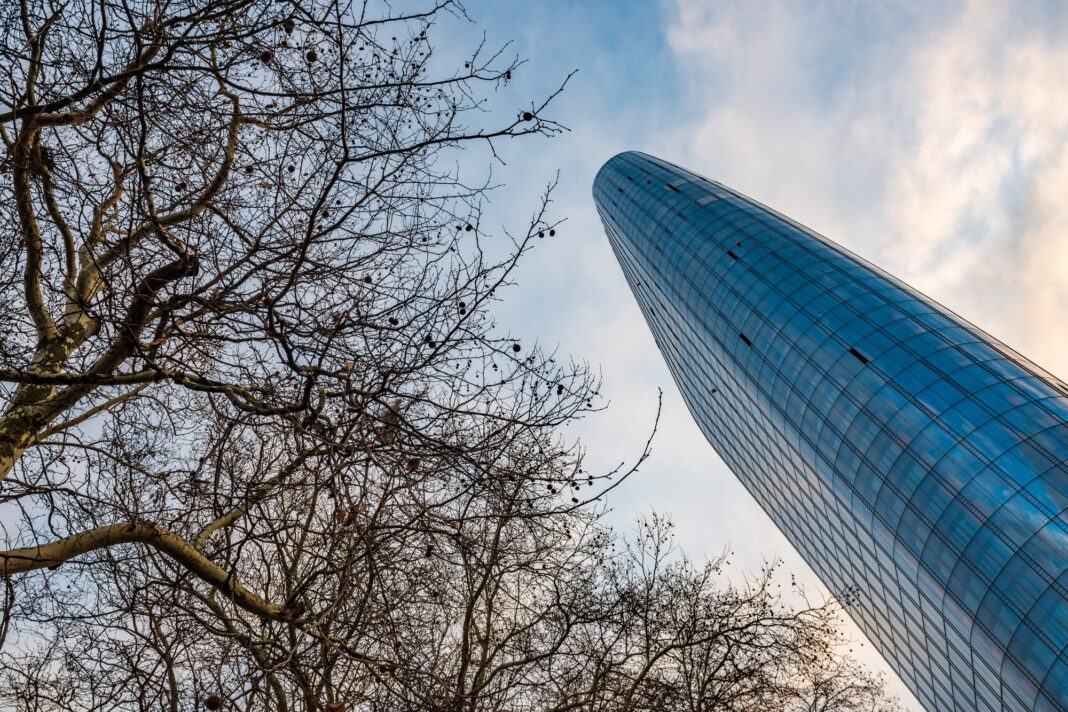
[[33, 558]]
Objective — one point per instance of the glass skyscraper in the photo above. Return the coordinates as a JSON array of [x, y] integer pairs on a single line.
[[918, 464]]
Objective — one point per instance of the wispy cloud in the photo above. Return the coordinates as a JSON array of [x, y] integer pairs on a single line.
[[933, 145]]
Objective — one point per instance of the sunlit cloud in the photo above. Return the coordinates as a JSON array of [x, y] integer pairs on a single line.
[[934, 146]]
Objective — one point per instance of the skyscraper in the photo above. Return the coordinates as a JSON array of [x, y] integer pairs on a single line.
[[919, 465]]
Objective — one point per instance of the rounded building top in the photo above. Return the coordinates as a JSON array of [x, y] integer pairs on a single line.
[[612, 165]]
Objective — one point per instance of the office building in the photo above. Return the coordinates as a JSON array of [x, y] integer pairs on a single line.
[[917, 463]]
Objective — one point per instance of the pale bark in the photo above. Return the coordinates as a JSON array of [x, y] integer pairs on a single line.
[[56, 553]]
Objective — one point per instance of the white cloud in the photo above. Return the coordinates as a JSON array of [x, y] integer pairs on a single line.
[[936, 147], [990, 175]]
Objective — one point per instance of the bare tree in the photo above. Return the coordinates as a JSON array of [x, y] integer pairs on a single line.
[[261, 444]]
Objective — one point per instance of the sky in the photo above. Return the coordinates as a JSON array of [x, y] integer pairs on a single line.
[[928, 137]]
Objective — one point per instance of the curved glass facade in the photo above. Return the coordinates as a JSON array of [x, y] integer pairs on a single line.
[[919, 465]]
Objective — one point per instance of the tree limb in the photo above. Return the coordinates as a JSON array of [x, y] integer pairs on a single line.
[[51, 555]]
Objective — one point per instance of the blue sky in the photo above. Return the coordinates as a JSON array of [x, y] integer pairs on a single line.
[[928, 137]]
